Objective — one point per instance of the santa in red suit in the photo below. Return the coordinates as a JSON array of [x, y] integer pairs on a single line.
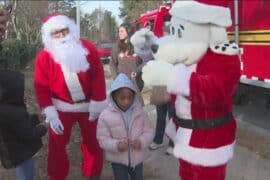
[[201, 69], [70, 88]]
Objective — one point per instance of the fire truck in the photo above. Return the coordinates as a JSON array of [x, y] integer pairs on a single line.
[[250, 30]]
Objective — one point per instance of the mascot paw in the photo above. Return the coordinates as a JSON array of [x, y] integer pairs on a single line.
[[179, 80], [156, 73], [142, 37]]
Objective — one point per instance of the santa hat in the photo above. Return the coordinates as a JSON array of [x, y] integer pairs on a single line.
[[57, 22], [202, 12]]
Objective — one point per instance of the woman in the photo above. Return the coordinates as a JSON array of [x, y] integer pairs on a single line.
[[124, 60]]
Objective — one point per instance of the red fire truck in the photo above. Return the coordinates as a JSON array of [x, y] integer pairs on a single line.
[[250, 29]]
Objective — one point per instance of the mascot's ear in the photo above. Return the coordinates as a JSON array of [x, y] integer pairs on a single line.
[[217, 34]]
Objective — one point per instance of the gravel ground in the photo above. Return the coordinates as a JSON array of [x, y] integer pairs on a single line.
[[246, 136]]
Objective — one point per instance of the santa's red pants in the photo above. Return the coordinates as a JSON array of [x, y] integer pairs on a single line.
[[92, 156], [189, 171]]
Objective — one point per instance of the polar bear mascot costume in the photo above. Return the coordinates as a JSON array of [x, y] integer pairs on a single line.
[[201, 69]]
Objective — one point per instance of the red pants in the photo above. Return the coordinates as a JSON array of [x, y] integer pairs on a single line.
[[189, 171], [92, 156]]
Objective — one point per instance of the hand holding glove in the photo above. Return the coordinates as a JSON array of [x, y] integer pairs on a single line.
[[57, 126]]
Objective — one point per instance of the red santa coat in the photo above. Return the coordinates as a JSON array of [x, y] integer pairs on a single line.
[[66, 91], [212, 84]]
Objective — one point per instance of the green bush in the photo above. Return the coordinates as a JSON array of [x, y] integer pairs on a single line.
[[16, 54]]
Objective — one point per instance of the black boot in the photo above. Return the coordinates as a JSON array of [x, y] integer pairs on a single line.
[[94, 178], [267, 105]]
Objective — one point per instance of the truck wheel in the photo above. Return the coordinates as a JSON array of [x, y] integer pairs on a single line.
[[267, 105]]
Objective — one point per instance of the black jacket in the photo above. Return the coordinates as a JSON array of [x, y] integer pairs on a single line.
[[20, 132]]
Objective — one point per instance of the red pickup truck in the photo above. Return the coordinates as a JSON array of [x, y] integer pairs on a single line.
[[104, 50]]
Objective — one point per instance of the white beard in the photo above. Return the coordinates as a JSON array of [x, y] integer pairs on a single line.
[[69, 52]]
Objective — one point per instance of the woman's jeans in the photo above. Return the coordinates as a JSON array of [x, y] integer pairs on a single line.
[[121, 171], [162, 111], [26, 170], [139, 81]]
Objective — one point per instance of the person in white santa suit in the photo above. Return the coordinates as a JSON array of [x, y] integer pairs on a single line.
[[201, 68], [70, 88]]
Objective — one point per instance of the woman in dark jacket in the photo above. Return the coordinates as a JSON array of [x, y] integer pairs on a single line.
[[20, 132], [123, 58]]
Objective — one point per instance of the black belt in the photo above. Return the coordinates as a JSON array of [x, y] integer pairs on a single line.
[[73, 102], [79, 101], [204, 123]]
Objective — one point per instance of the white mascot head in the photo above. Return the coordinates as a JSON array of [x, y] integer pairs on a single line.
[[195, 27]]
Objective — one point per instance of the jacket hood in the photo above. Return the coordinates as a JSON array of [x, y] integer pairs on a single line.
[[11, 87], [122, 81]]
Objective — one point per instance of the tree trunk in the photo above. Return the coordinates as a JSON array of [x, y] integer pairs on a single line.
[[14, 22]]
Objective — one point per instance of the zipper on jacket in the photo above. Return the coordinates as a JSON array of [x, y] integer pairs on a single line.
[[128, 140], [129, 149]]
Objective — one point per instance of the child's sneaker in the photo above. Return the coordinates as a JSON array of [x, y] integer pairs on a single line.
[[154, 146], [169, 151]]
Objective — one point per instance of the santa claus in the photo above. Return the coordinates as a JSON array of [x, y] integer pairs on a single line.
[[200, 67], [70, 88]]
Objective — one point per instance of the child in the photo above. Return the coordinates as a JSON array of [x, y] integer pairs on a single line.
[[124, 130], [20, 133]]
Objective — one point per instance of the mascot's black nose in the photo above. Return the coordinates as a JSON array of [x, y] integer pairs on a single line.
[[154, 48]]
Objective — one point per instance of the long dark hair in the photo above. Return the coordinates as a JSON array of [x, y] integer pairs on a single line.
[[124, 45]]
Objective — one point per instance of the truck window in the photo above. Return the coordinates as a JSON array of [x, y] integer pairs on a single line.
[[150, 24], [166, 25], [138, 26]]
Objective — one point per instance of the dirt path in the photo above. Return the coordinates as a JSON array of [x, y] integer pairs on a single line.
[[73, 148]]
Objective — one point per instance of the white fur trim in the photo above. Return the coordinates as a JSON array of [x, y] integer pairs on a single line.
[[50, 113], [97, 106], [170, 130], [200, 156], [226, 48], [183, 107], [73, 84], [67, 107], [200, 13], [179, 81], [204, 157], [55, 23]]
